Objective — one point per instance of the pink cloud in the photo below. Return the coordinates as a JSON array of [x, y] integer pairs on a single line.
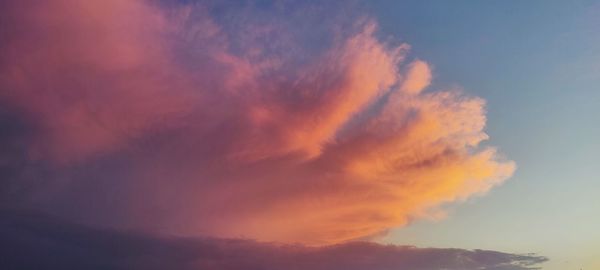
[[227, 138], [418, 77]]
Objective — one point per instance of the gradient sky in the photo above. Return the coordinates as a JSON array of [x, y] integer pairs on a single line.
[[537, 63], [452, 126]]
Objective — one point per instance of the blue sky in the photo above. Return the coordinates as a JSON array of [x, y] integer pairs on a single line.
[[537, 63]]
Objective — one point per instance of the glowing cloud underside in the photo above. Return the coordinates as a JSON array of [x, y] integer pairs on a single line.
[[245, 134]]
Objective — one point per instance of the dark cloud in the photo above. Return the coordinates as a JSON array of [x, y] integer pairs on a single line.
[[33, 241]]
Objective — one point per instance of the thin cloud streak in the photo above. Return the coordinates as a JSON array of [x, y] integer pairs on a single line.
[[33, 241]]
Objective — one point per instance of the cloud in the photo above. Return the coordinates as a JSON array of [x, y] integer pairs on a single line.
[[167, 117], [417, 78], [33, 241]]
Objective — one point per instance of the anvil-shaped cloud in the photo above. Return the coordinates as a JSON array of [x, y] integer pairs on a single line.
[[164, 117]]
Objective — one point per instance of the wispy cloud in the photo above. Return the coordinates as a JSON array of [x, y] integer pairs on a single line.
[[165, 117]]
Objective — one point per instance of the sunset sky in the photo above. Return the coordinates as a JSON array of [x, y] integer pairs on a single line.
[[153, 134], [537, 63]]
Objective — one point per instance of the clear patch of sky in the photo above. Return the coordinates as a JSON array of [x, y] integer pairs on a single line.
[[537, 63]]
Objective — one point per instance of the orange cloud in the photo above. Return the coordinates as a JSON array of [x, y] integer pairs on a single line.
[[418, 77], [225, 135]]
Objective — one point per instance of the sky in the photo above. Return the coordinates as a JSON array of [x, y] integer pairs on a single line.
[[536, 64], [143, 134]]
